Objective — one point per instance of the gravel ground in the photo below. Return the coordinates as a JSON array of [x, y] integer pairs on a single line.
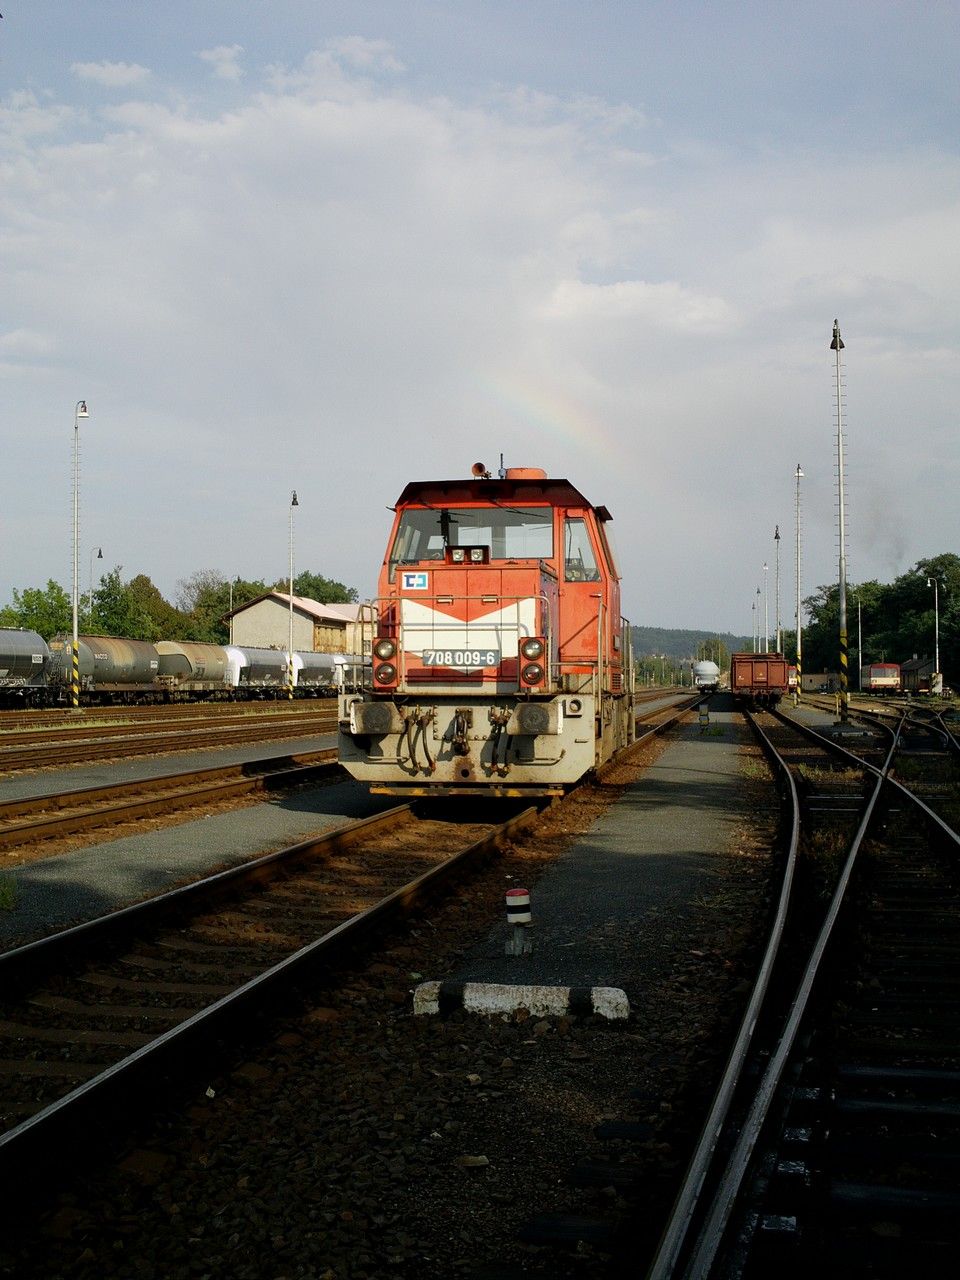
[[362, 1143]]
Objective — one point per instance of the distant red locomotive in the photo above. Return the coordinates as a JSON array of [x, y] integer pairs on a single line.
[[501, 664], [880, 677]]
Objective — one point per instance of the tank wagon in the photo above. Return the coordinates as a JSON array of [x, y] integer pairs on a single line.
[[112, 669], [265, 672], [195, 670], [116, 670], [501, 664], [880, 677], [761, 679], [24, 658], [706, 676]]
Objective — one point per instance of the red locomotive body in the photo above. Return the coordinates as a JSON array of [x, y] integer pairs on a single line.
[[760, 678], [500, 660]]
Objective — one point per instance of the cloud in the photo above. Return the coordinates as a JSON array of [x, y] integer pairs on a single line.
[[24, 342], [668, 305], [314, 287], [224, 60], [112, 75], [365, 55]]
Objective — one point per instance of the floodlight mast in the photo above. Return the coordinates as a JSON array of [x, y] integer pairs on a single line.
[[837, 346]]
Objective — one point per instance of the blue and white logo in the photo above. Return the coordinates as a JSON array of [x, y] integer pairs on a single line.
[[415, 581]]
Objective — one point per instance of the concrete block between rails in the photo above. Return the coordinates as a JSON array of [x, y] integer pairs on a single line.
[[505, 998]]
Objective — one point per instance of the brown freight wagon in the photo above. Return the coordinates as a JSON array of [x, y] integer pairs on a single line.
[[759, 678]]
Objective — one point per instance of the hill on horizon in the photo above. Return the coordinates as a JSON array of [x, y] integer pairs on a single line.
[[675, 642]]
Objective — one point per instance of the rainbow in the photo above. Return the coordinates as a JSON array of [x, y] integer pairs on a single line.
[[558, 417]]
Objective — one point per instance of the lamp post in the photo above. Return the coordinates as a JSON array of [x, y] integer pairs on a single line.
[[932, 582], [859, 649], [776, 543], [79, 412], [766, 609], [798, 691], [99, 557], [293, 503]]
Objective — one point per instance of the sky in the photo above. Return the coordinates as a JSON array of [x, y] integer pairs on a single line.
[[336, 247]]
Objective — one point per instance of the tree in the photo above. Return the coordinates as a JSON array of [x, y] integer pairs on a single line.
[[158, 619], [115, 609], [314, 586], [46, 611], [714, 651], [206, 597], [897, 621]]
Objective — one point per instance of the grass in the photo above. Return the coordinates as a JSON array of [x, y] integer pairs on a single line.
[[8, 893]]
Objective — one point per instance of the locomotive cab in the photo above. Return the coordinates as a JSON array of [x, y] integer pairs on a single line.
[[499, 657]]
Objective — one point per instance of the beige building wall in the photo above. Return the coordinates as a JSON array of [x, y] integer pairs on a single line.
[[266, 625]]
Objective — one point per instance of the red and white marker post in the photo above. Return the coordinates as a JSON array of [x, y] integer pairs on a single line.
[[518, 915]]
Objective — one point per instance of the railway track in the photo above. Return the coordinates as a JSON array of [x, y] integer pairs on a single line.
[[24, 822], [47, 718], [835, 1133], [41, 748], [92, 1014], [95, 1017]]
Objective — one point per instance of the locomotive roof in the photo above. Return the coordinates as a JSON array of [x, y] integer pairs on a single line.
[[558, 493]]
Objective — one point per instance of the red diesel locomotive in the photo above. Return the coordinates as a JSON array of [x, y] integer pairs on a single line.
[[501, 664]]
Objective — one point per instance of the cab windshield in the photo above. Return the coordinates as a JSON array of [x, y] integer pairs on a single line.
[[510, 533]]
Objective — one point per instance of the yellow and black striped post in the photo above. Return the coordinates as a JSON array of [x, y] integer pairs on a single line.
[[844, 672], [75, 677]]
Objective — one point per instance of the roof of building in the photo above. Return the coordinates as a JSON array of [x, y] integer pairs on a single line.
[[916, 664], [340, 612]]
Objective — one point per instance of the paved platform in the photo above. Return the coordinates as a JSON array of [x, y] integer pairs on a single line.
[[598, 912]]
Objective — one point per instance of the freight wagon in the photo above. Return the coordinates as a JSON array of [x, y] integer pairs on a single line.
[[761, 679]]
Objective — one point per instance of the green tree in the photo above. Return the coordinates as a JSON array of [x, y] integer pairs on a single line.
[[158, 619], [47, 611], [115, 609], [314, 586], [896, 620]]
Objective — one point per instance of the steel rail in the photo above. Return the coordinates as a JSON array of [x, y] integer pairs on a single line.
[[102, 806], [676, 1235], [709, 1240], [145, 743], [131, 727], [27, 1150]]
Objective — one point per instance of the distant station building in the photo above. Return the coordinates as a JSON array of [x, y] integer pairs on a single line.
[[264, 623], [918, 675], [819, 682]]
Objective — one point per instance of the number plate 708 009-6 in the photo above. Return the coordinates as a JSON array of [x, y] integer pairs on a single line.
[[461, 657]]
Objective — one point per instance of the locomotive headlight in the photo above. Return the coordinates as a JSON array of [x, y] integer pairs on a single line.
[[458, 555], [386, 673], [532, 673], [476, 555], [384, 649], [531, 648]]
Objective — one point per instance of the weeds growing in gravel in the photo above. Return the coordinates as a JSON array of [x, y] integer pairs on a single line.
[[8, 893]]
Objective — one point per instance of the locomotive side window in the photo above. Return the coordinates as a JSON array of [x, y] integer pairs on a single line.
[[579, 561], [511, 533]]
